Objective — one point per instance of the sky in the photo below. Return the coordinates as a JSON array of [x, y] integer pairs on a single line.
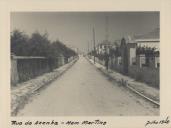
[[76, 28]]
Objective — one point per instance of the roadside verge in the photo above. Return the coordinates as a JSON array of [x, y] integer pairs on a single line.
[[142, 89]]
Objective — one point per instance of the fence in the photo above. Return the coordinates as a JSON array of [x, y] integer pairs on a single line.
[[24, 68], [145, 74], [149, 75]]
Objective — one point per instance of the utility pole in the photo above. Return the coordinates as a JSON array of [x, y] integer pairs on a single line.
[[88, 47], [94, 43], [107, 27]]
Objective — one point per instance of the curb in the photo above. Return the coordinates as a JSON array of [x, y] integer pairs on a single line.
[[140, 94]]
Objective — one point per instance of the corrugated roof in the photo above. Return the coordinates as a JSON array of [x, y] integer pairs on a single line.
[[106, 42], [155, 34]]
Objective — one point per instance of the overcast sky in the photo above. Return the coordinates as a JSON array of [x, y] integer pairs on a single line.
[[75, 28]]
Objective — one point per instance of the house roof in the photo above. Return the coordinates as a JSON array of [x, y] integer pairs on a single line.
[[153, 35], [105, 42], [150, 39], [147, 40]]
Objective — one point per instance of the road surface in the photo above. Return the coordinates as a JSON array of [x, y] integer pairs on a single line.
[[85, 91]]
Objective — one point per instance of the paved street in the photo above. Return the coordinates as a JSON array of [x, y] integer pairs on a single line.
[[85, 91]]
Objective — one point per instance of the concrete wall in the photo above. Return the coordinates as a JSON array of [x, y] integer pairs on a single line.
[[145, 74], [138, 72], [115, 64], [131, 51], [14, 72], [24, 68]]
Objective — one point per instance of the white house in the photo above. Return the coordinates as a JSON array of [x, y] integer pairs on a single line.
[[104, 47]]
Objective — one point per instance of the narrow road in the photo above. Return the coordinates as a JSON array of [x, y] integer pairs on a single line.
[[84, 91]]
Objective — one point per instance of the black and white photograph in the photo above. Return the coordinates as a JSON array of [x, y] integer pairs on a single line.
[[85, 63]]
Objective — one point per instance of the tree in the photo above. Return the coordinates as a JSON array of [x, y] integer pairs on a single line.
[[38, 45], [19, 43]]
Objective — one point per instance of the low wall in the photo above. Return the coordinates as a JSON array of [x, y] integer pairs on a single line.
[[24, 68], [145, 74], [117, 68], [14, 72], [30, 68], [113, 65]]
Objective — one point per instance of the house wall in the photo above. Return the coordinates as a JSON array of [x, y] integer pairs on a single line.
[[131, 49]]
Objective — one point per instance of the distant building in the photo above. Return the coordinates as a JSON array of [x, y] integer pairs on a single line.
[[151, 39], [129, 46], [104, 47]]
